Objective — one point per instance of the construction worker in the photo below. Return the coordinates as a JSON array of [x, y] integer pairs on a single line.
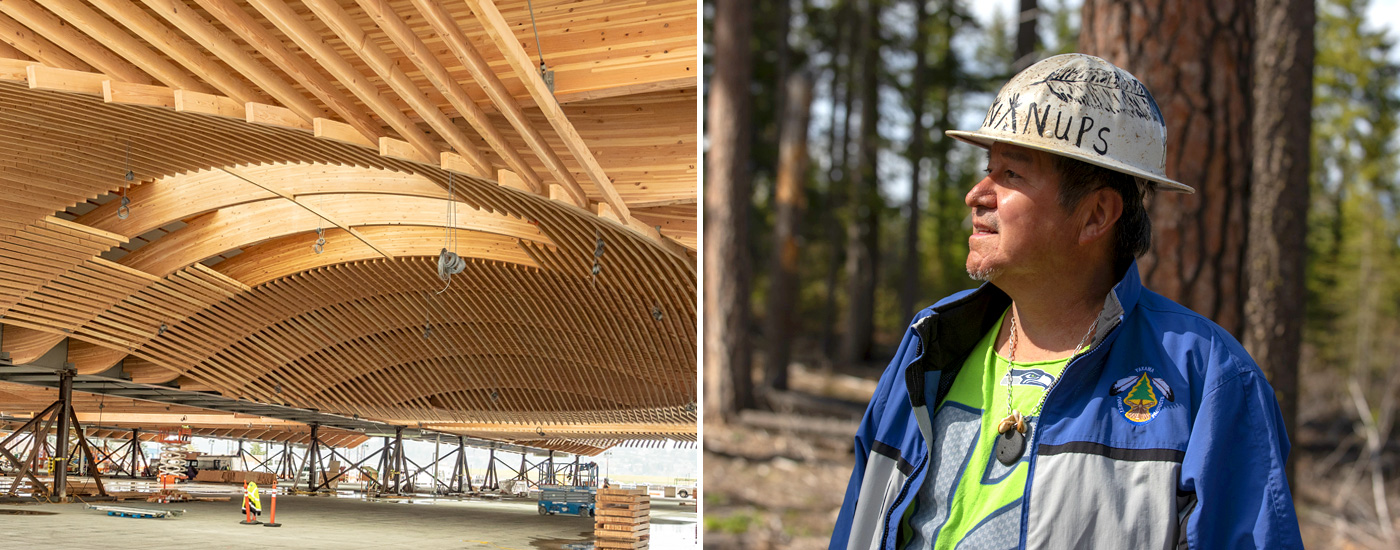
[[252, 499], [1062, 404]]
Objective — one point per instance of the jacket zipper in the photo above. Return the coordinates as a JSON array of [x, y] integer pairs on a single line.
[[1040, 423]]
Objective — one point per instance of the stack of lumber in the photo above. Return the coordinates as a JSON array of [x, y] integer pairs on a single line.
[[230, 476], [623, 519], [170, 495]]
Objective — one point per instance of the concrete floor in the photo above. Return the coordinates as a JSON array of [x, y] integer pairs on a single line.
[[331, 523]]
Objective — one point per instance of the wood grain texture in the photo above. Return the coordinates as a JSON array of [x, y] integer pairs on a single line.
[[241, 145]]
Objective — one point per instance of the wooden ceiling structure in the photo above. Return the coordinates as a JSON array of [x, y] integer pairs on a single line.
[[248, 198]]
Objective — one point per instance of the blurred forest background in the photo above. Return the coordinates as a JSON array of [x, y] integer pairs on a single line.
[[834, 210]]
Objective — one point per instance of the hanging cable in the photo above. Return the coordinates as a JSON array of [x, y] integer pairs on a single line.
[[597, 256], [449, 263], [545, 73], [427, 320], [124, 209]]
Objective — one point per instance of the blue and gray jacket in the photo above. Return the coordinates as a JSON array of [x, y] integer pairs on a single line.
[[1198, 465]]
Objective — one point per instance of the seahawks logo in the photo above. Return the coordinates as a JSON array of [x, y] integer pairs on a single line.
[[1029, 377]]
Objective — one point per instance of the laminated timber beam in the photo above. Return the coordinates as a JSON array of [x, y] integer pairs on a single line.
[[293, 65], [90, 51], [85, 19], [311, 209], [202, 31], [500, 33], [291, 25], [162, 38], [349, 32], [425, 61]]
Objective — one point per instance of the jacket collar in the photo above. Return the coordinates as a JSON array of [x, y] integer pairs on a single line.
[[954, 327]]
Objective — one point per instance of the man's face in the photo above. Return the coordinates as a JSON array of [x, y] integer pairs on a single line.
[[1018, 224]]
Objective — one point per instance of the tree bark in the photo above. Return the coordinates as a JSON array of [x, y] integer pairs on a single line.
[[727, 202], [842, 86], [792, 175], [863, 234], [913, 268], [1195, 58], [1275, 256], [1026, 38]]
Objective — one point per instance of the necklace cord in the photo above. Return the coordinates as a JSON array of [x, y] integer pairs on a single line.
[[1012, 414]]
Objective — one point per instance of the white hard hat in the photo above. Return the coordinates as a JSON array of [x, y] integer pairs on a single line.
[[1084, 108]]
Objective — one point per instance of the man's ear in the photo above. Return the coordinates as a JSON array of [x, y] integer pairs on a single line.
[[1103, 208]]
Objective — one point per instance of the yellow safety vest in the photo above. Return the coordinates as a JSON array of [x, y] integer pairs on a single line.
[[253, 496]]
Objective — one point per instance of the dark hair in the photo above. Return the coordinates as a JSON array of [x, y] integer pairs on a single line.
[[1132, 234]]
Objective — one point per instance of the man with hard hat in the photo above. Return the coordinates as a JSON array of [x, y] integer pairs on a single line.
[[1061, 404]]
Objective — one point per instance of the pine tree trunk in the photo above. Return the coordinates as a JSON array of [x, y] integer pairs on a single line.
[[863, 233], [1195, 57], [913, 267], [1026, 38], [727, 201], [1283, 68], [842, 84], [792, 174]]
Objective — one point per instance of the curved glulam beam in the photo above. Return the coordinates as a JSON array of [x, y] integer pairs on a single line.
[[507, 296], [237, 226], [281, 257], [501, 33], [165, 200]]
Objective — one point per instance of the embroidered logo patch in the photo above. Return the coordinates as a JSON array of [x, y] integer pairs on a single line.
[[1029, 377], [1140, 396]]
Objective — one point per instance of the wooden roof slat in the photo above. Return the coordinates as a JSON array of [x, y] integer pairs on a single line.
[[123, 44], [504, 38], [52, 28], [188, 21], [32, 44], [417, 52], [178, 49], [252, 32], [291, 25], [341, 23]]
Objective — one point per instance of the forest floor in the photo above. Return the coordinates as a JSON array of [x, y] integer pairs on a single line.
[[775, 480]]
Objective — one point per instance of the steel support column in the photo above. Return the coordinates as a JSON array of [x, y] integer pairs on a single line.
[[65, 407]]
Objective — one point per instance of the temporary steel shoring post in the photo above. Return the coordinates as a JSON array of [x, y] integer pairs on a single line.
[[437, 452], [65, 399], [399, 465], [86, 449], [314, 459], [283, 470], [135, 450], [381, 481], [490, 478], [457, 470]]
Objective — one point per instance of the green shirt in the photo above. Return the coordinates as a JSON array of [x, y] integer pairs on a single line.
[[969, 416]]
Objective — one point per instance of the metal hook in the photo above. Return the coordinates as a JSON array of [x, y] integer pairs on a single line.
[[320, 245], [656, 313], [124, 210]]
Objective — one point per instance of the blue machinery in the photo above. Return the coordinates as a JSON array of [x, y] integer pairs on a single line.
[[565, 499]]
